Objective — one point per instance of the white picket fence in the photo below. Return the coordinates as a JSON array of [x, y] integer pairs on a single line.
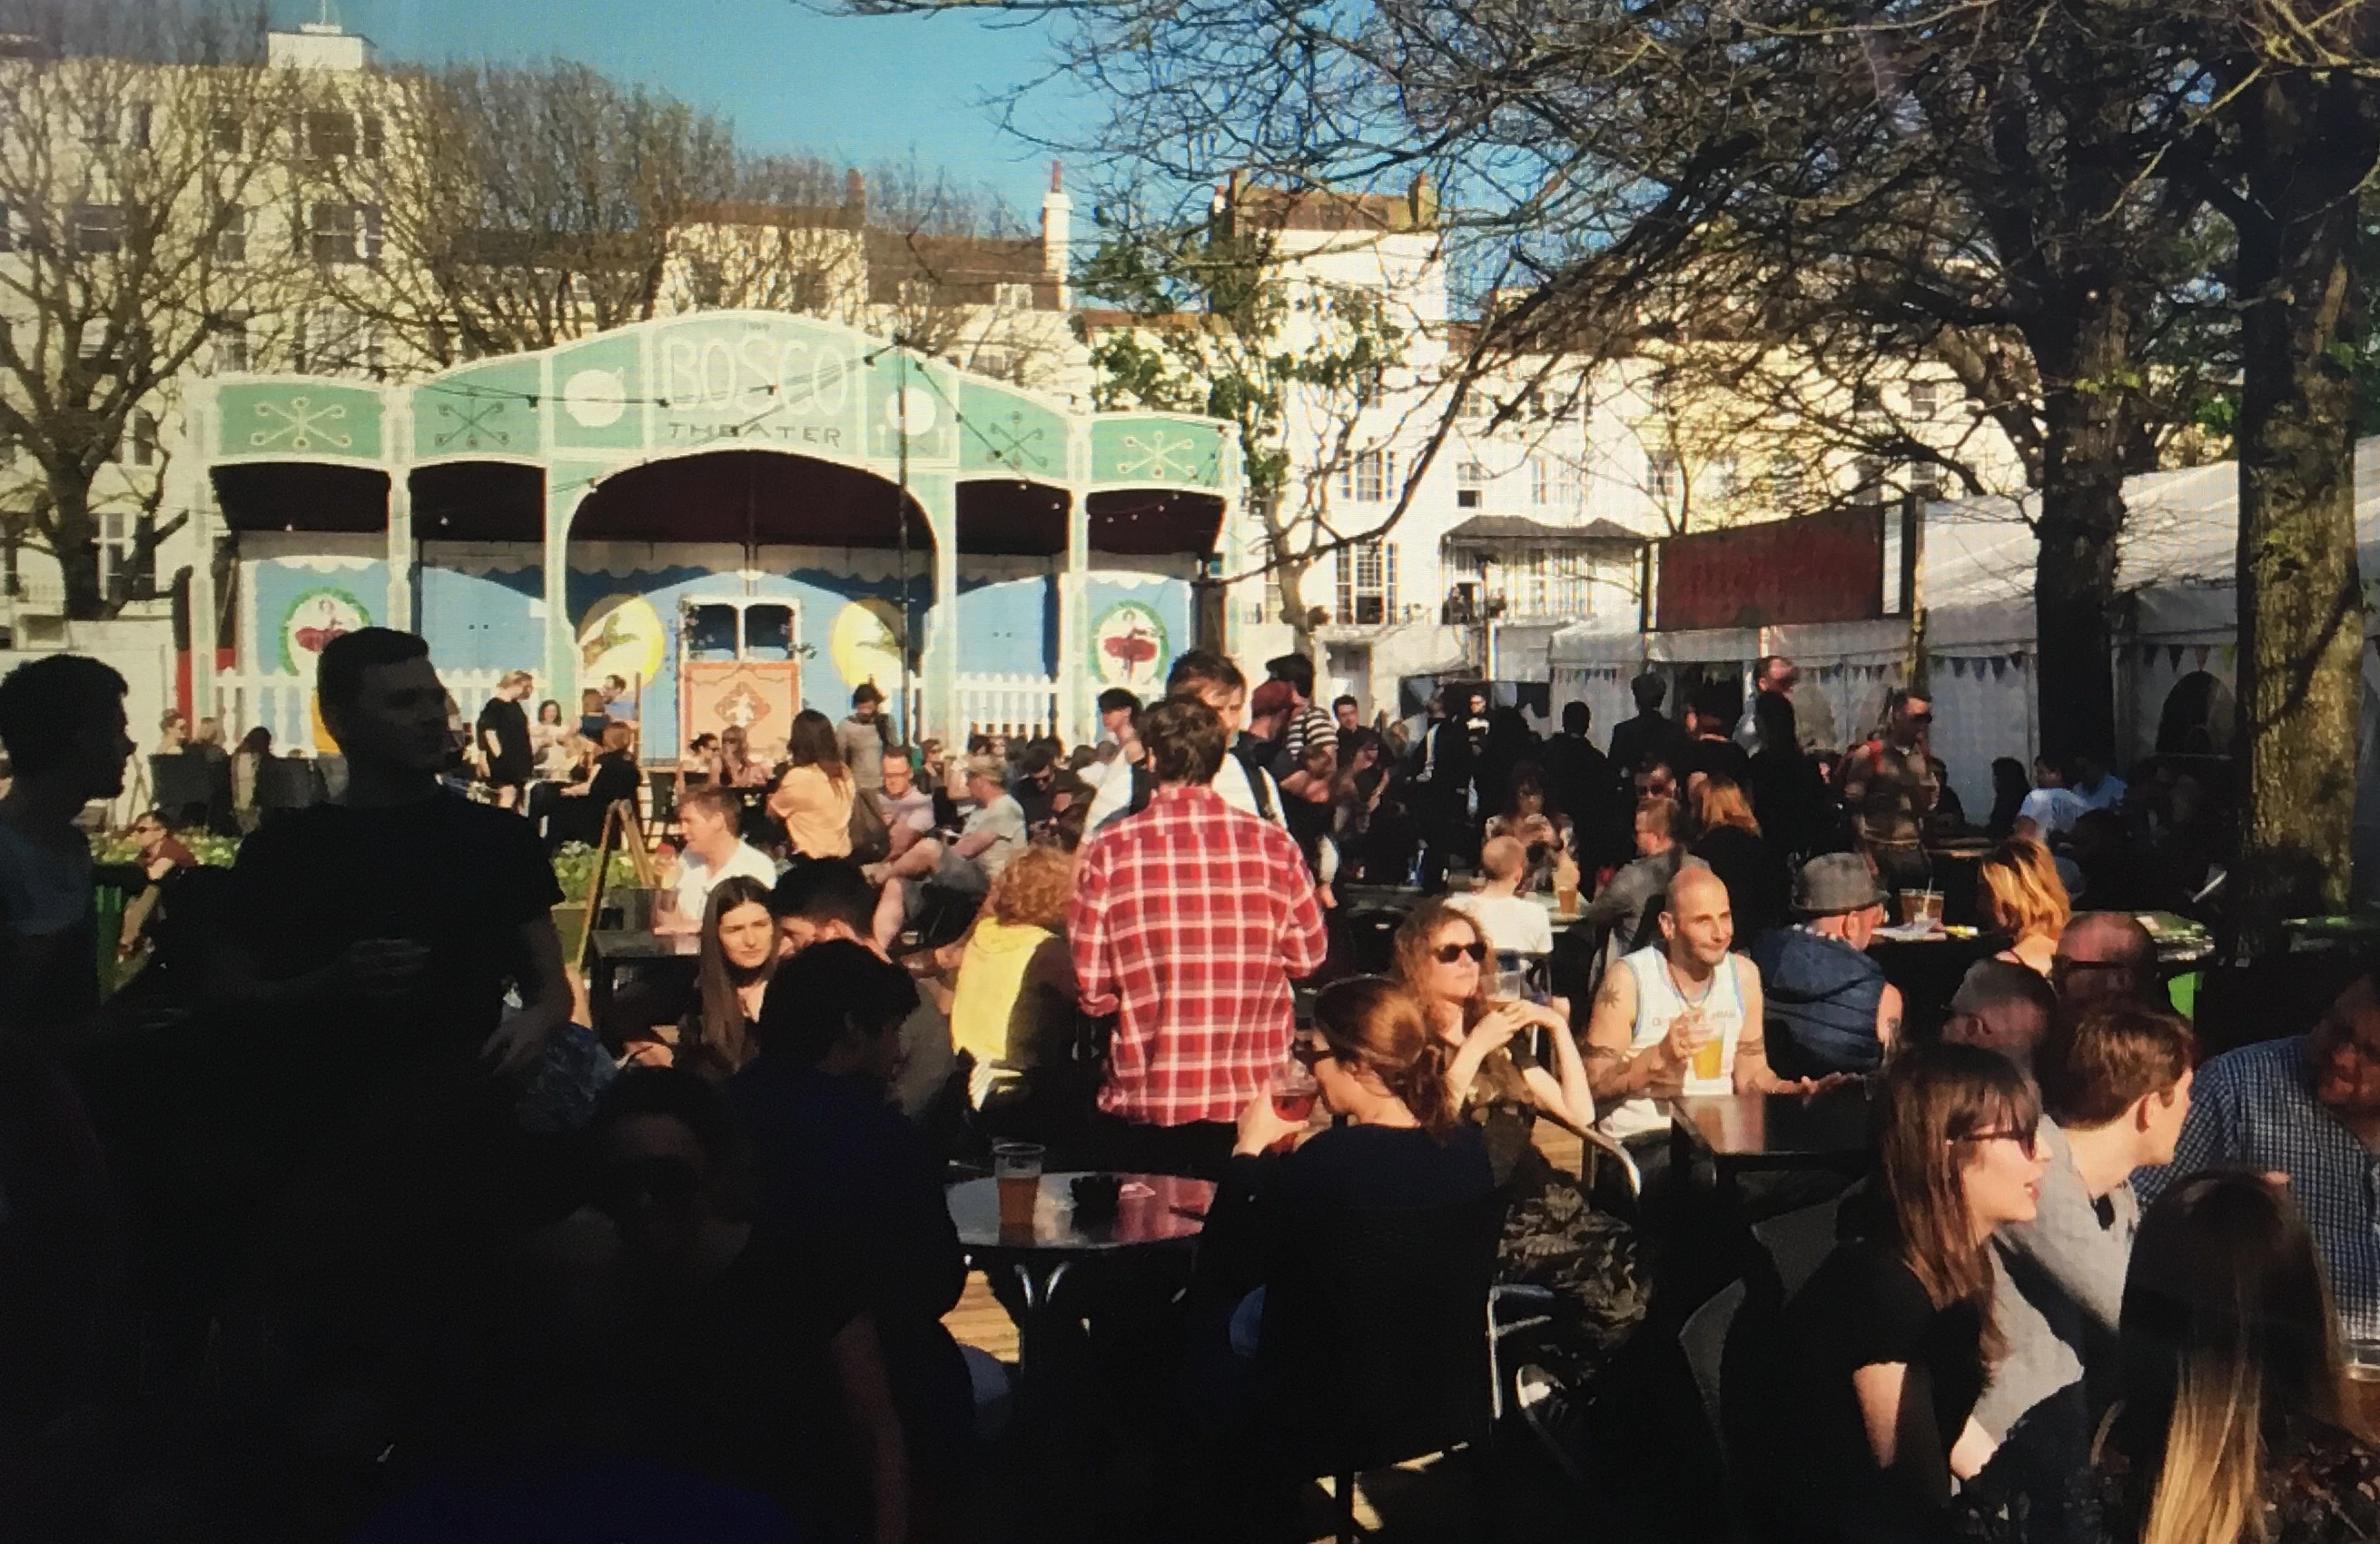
[[283, 703], [1010, 705]]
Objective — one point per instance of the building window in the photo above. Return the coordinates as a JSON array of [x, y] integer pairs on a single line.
[[329, 135], [337, 342], [115, 547], [1367, 583], [137, 124], [345, 232], [1368, 477], [1013, 297], [1664, 479], [225, 133], [1723, 484], [375, 141], [1926, 479], [916, 293], [231, 241], [1924, 400], [1470, 479], [230, 342], [1785, 483], [1867, 482], [7, 229], [97, 228], [139, 446]]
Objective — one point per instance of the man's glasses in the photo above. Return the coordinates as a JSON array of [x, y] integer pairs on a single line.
[[2024, 1137], [1448, 953]]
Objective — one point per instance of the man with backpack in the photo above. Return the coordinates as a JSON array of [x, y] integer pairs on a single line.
[[1210, 679]]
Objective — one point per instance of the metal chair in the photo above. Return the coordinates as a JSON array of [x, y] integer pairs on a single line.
[[1799, 1242]]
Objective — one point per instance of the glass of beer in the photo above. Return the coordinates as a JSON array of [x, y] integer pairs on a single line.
[[1710, 1052], [1933, 907], [2360, 1399], [1017, 1169], [1912, 907], [1566, 896]]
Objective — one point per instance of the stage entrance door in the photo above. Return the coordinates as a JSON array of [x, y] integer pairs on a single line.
[[738, 664]]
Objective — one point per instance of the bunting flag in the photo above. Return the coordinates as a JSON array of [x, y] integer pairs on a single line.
[[2204, 651], [2017, 658], [1999, 667], [2148, 654], [2173, 655]]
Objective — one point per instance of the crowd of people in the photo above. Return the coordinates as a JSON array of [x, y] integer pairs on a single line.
[[343, 1212]]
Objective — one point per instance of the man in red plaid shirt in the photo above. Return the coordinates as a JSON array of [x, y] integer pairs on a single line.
[[1188, 920]]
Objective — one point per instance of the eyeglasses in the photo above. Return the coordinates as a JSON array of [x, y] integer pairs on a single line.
[[1448, 953], [2024, 1137], [1305, 1052]]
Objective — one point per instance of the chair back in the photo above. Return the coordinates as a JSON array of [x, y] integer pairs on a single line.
[[1371, 934], [183, 786], [1799, 1242], [1704, 1340], [1374, 1343]]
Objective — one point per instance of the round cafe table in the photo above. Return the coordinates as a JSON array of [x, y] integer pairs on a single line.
[[1038, 1258]]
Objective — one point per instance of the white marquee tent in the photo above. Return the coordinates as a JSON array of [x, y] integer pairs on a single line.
[[2177, 620]]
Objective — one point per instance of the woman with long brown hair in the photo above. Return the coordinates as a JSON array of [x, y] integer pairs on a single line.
[[733, 765], [1891, 1339], [739, 956], [813, 798], [1728, 838], [2020, 894], [2229, 1425], [1554, 1236]]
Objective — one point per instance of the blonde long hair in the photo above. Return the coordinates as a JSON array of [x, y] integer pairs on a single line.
[[1719, 801], [2229, 1340]]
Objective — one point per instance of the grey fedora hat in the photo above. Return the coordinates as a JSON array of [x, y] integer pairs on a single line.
[[1832, 883]]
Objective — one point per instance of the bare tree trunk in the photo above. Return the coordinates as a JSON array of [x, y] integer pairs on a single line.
[[75, 537], [2082, 517], [2301, 596]]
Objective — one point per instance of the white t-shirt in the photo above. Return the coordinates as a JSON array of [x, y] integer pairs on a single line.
[[1230, 785], [697, 880], [2053, 811], [914, 809], [1657, 1005], [1511, 922]]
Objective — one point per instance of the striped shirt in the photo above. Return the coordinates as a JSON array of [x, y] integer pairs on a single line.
[[2255, 1108]]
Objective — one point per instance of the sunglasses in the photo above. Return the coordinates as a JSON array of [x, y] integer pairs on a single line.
[[1305, 1052], [2024, 1137], [1448, 953]]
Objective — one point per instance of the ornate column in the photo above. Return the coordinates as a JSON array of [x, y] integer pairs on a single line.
[[1077, 682], [198, 436], [567, 483]]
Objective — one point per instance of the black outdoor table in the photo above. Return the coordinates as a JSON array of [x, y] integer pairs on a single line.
[[1928, 970], [1039, 1258], [1754, 1133], [674, 954]]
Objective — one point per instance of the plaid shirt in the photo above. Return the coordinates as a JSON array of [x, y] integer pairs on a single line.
[[1188, 920], [2255, 1108]]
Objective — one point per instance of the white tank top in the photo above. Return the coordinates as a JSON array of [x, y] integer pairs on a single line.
[[1659, 1003]]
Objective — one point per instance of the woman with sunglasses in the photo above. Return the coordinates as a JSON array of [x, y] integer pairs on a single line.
[[1887, 1344], [1554, 1236]]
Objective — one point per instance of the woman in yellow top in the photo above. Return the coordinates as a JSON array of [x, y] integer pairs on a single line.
[[813, 798], [1014, 1003]]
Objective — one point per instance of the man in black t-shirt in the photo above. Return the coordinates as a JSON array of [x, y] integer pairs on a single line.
[[385, 927], [504, 739]]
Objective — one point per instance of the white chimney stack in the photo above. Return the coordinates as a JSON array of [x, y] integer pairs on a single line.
[[1057, 233]]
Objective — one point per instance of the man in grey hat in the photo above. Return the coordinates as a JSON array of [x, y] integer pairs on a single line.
[[1828, 1006]]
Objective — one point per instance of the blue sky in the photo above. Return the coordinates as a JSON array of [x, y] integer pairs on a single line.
[[855, 89]]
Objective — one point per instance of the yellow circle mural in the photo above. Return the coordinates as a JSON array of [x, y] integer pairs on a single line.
[[866, 645], [621, 634]]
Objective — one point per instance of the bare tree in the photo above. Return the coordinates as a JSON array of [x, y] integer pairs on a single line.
[[139, 151], [498, 209]]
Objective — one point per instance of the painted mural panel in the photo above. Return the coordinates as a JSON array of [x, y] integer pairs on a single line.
[[1138, 624], [299, 419], [919, 395], [776, 382], [483, 611], [1148, 447], [1002, 430], [599, 392], [488, 410]]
